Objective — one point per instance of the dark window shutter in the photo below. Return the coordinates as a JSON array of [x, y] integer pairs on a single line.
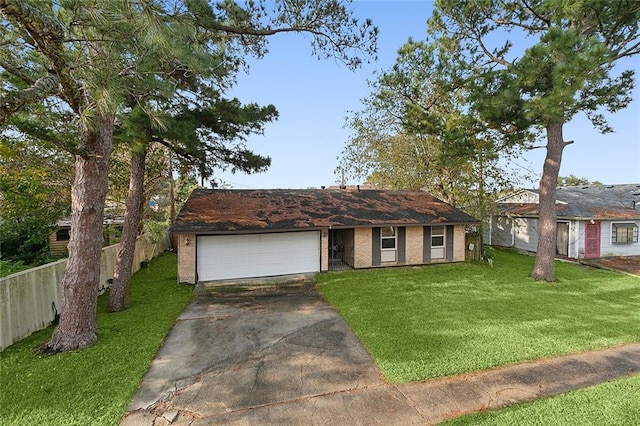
[[449, 239], [401, 238], [375, 247], [426, 244]]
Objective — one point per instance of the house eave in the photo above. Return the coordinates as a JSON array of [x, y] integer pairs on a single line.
[[212, 230], [573, 218]]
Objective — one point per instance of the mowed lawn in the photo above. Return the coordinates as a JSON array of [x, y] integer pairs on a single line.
[[610, 403], [420, 323]]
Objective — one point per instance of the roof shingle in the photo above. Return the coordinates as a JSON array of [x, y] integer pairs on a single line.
[[217, 210], [587, 202]]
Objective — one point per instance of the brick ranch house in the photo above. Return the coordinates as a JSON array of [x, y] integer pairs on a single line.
[[234, 234]]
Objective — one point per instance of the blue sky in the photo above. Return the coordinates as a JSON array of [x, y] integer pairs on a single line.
[[314, 96]]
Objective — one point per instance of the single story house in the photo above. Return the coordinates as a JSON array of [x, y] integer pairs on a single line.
[[61, 233], [231, 234], [593, 221]]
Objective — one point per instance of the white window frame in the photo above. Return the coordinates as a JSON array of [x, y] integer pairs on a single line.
[[438, 252], [388, 254], [614, 229]]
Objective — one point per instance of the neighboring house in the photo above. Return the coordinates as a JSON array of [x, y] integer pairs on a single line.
[[59, 237], [593, 221], [229, 234]]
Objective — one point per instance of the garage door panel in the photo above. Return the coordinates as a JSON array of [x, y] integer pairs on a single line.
[[257, 255]]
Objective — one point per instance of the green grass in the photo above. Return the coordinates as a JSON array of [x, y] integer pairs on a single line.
[[612, 403], [420, 323], [94, 385]]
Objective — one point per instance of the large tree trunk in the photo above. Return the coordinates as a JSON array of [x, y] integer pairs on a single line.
[[118, 293], [77, 326], [546, 251]]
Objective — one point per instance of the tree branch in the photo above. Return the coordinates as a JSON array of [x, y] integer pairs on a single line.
[[44, 134], [11, 102], [534, 13], [181, 152], [17, 72], [48, 35], [489, 54], [271, 31], [519, 24]]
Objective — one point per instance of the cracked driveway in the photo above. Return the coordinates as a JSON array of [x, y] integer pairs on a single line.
[[281, 355], [240, 352]]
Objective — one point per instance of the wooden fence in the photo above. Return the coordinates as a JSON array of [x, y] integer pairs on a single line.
[[29, 300]]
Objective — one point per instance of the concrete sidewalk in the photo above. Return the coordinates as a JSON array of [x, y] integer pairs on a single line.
[[281, 355]]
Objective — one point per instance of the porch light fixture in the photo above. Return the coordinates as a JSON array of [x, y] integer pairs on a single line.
[[186, 241]]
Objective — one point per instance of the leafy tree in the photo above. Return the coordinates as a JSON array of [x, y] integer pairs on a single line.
[[33, 182], [567, 70], [573, 180], [416, 132], [200, 136], [90, 59]]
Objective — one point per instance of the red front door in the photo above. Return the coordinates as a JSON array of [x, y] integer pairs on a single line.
[[592, 240]]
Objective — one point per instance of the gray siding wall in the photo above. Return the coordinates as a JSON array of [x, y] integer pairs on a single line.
[[501, 229], [525, 236], [526, 233], [608, 249]]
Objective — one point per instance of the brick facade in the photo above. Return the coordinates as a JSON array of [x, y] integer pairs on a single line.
[[187, 258], [413, 246], [459, 243], [324, 250], [362, 248]]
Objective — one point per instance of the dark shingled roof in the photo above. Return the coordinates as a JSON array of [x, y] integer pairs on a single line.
[[616, 202], [217, 210]]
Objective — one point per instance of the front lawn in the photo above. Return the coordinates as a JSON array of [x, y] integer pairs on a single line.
[[420, 323], [94, 386], [611, 403]]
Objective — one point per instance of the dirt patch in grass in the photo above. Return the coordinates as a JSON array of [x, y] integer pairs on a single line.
[[630, 264]]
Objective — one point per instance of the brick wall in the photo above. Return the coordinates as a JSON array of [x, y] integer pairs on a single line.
[[362, 249], [458, 243], [413, 247], [187, 258], [324, 250]]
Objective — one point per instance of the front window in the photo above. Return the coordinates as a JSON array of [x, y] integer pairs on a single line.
[[388, 243], [388, 235], [624, 233], [437, 242]]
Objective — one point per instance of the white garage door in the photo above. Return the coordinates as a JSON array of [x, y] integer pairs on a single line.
[[223, 257]]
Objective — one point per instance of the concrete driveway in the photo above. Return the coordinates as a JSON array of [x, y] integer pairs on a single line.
[[252, 355]]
